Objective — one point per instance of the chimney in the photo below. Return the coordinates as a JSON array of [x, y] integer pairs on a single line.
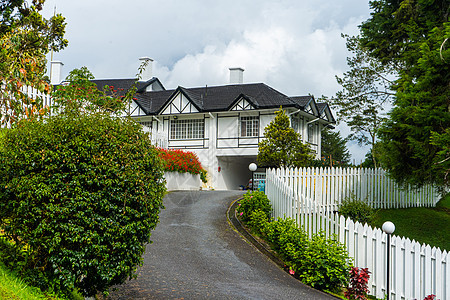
[[146, 74], [236, 75], [55, 72]]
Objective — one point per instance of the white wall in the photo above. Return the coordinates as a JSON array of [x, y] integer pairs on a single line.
[[182, 181]]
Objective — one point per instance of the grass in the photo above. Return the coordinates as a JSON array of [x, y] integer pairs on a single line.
[[12, 287], [424, 225]]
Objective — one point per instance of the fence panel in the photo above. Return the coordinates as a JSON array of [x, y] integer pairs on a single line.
[[311, 196]]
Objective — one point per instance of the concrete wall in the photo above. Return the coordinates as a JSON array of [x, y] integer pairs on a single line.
[[182, 181]]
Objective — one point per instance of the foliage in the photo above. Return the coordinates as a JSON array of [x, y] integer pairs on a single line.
[[182, 161], [324, 264], [366, 91], [357, 210], [282, 146], [79, 95], [25, 38], [79, 197], [410, 35], [359, 279], [254, 201], [334, 150], [320, 262], [257, 221]]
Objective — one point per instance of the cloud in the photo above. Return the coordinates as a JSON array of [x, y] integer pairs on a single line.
[[294, 46]]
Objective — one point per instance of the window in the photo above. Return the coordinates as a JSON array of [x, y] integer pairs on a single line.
[[249, 126], [311, 133], [147, 124], [187, 129], [294, 123]]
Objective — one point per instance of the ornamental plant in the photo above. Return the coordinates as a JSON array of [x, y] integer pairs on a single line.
[[79, 196], [320, 262], [359, 279], [253, 201], [356, 210], [175, 160]]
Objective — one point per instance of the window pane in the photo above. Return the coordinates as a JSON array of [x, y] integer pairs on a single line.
[[187, 129], [249, 126]]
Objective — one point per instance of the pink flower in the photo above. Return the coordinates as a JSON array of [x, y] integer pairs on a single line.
[[292, 272], [241, 213]]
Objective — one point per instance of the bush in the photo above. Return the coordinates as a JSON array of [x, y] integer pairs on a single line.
[[359, 279], [254, 201], [358, 211], [182, 161], [257, 221], [81, 195], [320, 262], [324, 264]]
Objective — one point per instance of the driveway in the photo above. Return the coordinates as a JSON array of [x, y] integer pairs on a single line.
[[195, 254]]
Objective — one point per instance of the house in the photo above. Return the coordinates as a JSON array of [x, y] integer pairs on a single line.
[[221, 124]]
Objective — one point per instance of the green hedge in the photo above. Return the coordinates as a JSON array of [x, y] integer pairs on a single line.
[[320, 262], [79, 196]]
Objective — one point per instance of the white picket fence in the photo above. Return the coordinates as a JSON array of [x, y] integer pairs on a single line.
[[329, 186], [416, 270]]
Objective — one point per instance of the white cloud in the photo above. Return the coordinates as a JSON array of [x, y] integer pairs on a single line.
[[294, 46]]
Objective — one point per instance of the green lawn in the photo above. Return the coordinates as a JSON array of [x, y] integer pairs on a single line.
[[11, 287], [425, 225]]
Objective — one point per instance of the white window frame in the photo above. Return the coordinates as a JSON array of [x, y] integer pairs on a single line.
[[187, 129], [249, 126], [148, 124], [311, 133]]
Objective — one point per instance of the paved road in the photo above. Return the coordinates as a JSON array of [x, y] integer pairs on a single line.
[[196, 255]]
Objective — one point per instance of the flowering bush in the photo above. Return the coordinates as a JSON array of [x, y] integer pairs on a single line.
[[182, 161], [254, 201]]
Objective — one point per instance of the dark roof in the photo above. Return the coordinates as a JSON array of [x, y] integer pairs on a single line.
[[321, 107], [212, 98], [302, 101], [124, 84], [217, 98]]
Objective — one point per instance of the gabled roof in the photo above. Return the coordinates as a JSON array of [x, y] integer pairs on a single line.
[[125, 84], [217, 98]]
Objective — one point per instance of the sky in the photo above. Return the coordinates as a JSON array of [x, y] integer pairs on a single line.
[[294, 46]]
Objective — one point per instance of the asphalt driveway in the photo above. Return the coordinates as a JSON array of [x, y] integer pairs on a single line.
[[195, 254]]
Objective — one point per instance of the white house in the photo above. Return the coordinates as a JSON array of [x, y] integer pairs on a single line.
[[221, 124]]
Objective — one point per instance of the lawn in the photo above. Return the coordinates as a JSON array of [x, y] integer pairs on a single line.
[[425, 225]]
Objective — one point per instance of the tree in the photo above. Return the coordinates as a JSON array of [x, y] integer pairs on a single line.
[[25, 39], [80, 95], [366, 93], [282, 146], [79, 196], [334, 149], [410, 35]]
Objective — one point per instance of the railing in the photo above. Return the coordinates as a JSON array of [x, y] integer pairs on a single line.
[[417, 270]]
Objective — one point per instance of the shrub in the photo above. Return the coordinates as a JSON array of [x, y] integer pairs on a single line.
[[182, 161], [324, 265], [81, 194], [320, 262], [258, 221], [253, 201], [358, 211], [359, 278]]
